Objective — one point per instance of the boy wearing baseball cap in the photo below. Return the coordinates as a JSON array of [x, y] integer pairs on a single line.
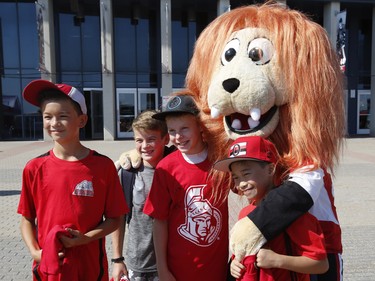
[[190, 229], [294, 254], [71, 196]]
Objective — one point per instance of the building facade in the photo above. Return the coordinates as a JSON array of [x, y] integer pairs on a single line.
[[128, 55]]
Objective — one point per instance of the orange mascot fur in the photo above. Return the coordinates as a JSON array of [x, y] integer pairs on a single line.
[[270, 71]]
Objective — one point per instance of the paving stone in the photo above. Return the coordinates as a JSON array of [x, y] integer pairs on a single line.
[[355, 201]]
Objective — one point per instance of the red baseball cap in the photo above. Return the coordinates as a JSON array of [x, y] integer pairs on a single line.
[[33, 89], [248, 148]]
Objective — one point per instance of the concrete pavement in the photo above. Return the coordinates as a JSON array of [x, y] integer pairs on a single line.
[[355, 201]]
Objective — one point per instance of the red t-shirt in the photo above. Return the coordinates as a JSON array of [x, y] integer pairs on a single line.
[[304, 237], [197, 229], [80, 193]]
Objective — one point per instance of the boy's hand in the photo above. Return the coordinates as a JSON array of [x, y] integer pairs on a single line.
[[267, 258], [129, 159], [118, 270], [76, 239], [37, 255], [236, 268]]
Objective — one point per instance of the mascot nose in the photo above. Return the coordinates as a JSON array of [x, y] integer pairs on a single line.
[[231, 84]]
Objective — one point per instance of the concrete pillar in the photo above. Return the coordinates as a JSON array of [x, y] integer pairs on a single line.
[[331, 9], [166, 47], [46, 30], [46, 36], [372, 111], [223, 6], [109, 90]]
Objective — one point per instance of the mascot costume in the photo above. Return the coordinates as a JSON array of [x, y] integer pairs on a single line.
[[269, 71]]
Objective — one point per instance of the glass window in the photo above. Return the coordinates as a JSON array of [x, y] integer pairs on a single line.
[[9, 33], [125, 53], [29, 46], [80, 53], [364, 112], [183, 40], [136, 53], [19, 42], [70, 49], [91, 56]]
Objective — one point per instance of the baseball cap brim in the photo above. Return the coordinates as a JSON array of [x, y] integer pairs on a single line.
[[163, 115], [224, 165], [176, 105], [32, 91]]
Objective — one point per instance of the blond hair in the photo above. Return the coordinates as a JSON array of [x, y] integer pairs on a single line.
[[144, 121]]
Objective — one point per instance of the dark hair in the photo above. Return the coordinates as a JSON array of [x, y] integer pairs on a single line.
[[262, 164], [55, 95]]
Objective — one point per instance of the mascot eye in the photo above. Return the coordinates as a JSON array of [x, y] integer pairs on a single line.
[[230, 51], [260, 51]]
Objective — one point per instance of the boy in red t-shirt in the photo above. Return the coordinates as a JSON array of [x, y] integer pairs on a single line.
[[71, 196], [190, 229], [300, 250]]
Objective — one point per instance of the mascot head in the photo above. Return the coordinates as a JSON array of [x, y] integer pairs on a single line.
[[269, 71]]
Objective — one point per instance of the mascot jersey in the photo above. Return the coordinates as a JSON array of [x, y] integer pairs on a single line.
[[318, 184], [197, 228], [79, 193], [303, 188], [303, 237]]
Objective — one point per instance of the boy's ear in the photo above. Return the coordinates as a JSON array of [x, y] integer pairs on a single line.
[[271, 169], [83, 120], [166, 139]]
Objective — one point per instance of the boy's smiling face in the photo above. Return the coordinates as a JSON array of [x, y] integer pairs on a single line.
[[61, 121], [252, 179], [185, 133], [150, 145]]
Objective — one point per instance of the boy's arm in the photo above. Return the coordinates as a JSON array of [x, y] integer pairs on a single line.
[[28, 232], [106, 227], [160, 237], [119, 268], [269, 259]]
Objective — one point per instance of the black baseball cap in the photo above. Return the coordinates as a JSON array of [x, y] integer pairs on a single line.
[[178, 104]]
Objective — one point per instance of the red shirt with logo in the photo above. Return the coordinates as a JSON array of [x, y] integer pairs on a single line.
[[80, 193], [197, 228]]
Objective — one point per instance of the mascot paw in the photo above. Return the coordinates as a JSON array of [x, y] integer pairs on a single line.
[[129, 159], [245, 239]]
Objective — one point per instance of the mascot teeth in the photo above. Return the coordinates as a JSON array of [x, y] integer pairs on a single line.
[[252, 123], [236, 124], [215, 113], [255, 114]]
